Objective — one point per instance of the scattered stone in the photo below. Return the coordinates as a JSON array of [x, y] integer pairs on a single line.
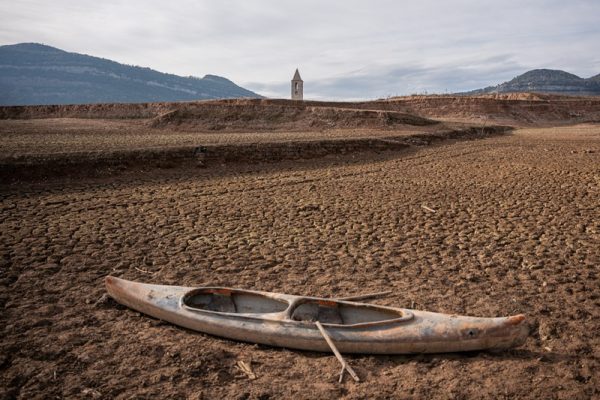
[[94, 394]]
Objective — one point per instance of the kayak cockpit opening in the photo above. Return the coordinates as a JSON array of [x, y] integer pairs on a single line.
[[232, 301], [341, 313], [300, 309]]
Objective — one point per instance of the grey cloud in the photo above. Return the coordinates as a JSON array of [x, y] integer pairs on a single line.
[[379, 82]]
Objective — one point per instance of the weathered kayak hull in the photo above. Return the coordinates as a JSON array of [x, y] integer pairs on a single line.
[[406, 332]]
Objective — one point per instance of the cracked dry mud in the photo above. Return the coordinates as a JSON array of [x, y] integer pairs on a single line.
[[516, 229]]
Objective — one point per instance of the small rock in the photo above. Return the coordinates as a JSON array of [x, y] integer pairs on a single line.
[[91, 393]]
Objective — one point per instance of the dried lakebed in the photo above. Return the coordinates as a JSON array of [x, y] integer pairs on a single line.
[[514, 229]]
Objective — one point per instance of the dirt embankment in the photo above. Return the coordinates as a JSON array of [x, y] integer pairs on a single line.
[[281, 123], [93, 111], [399, 123], [523, 108], [261, 117], [86, 164], [516, 108]]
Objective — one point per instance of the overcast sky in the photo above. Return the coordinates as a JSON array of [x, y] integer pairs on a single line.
[[344, 49]]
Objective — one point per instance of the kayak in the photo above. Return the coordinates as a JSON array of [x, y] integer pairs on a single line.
[[289, 321]]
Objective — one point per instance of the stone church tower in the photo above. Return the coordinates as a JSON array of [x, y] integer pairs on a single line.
[[297, 87]]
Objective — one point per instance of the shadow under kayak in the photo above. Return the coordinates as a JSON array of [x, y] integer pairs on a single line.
[[289, 321]]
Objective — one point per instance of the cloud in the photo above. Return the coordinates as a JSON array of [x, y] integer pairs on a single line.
[[344, 49], [384, 81]]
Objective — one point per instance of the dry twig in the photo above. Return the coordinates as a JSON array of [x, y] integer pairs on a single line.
[[341, 359], [144, 271], [365, 296], [245, 368], [427, 208]]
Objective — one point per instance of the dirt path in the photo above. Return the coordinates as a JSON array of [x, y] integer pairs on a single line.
[[515, 230]]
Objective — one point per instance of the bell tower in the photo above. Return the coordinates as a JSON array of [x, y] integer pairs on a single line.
[[297, 87]]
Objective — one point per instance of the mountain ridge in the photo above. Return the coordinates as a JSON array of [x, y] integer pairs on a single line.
[[37, 74], [545, 81]]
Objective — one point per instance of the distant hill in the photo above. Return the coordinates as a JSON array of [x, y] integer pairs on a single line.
[[32, 73], [546, 81]]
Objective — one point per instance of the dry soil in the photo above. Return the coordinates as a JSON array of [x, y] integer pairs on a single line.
[[515, 230]]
